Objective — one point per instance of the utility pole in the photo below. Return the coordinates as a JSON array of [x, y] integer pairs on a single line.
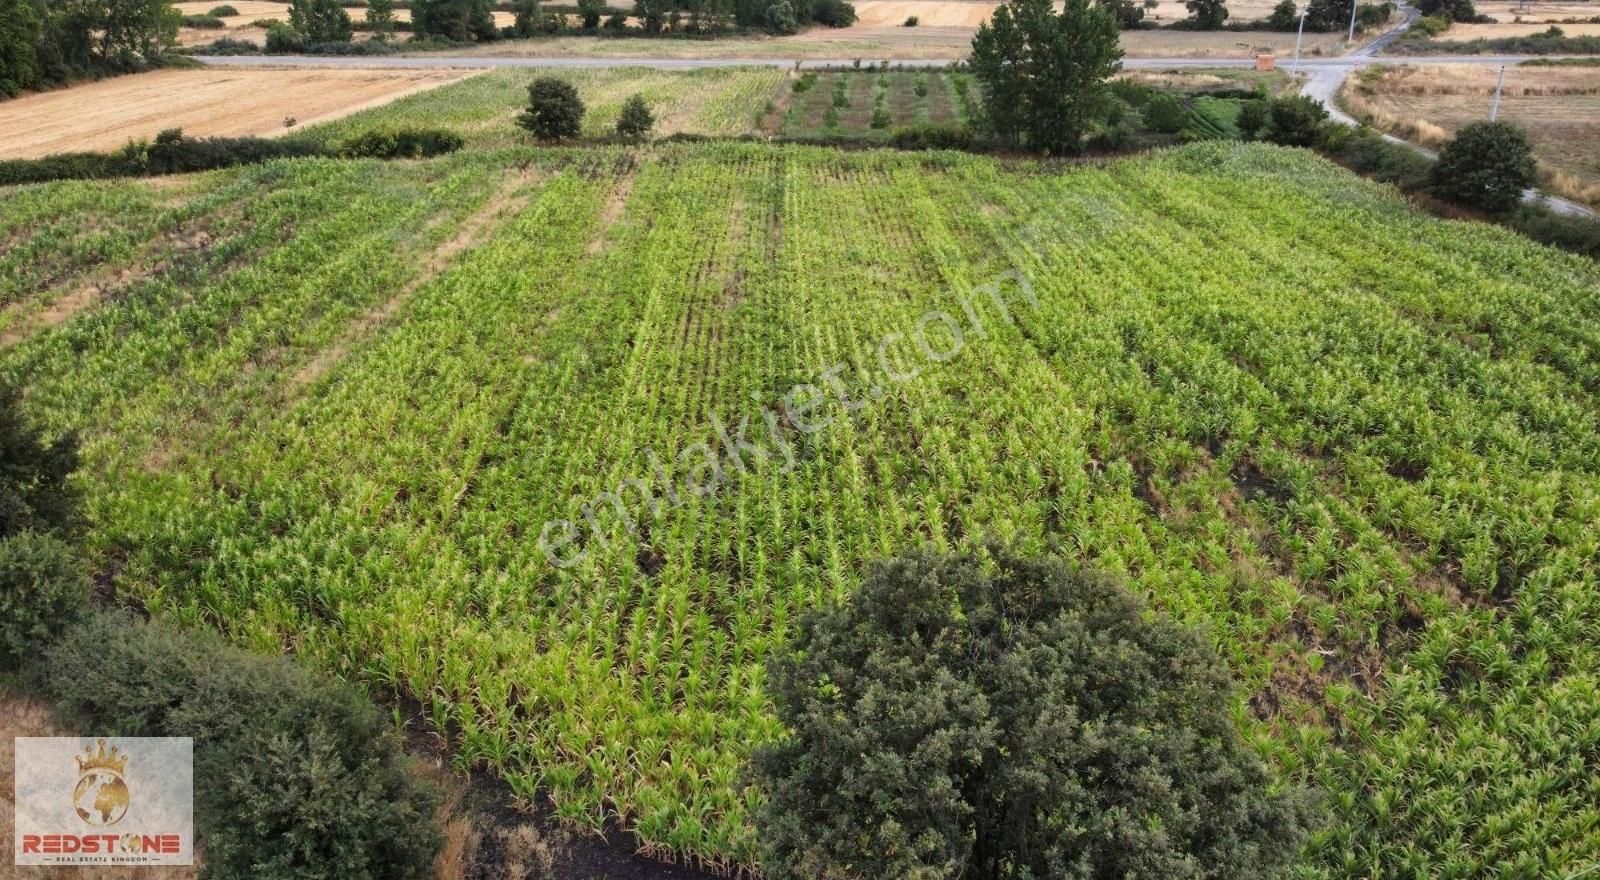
[[1495, 110], [1353, 5], [1297, 38]]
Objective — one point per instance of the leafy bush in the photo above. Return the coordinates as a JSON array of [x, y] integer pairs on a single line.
[[43, 591], [1027, 724], [616, 21], [932, 136], [1285, 17], [1487, 166], [1580, 235], [1367, 152], [804, 83], [203, 22], [1253, 118], [554, 110], [304, 777], [590, 12], [227, 46], [1430, 26], [358, 47], [1295, 121], [1208, 15], [1450, 10], [780, 17], [1373, 15], [1165, 114], [284, 40], [224, 11], [635, 121], [833, 13], [911, 21], [402, 143]]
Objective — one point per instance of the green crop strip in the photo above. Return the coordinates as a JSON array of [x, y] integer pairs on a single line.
[[1354, 443]]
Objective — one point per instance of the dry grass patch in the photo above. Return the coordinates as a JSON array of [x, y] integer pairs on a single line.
[[1559, 106]]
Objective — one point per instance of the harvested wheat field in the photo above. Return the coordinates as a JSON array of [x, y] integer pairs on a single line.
[[1511, 10], [1465, 32], [249, 10], [1559, 106], [106, 114]]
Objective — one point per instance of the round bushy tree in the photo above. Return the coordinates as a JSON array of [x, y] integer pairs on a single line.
[[1295, 121], [635, 121], [555, 111], [1487, 166], [781, 17], [43, 590], [1030, 723], [1165, 114]]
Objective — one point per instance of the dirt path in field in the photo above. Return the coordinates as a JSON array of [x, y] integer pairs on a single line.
[[105, 115], [505, 203], [612, 212]]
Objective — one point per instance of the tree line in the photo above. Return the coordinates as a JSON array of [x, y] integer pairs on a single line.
[[49, 42]]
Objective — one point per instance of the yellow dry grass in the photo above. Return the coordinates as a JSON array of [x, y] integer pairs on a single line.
[[1464, 32], [106, 114], [1511, 10], [20, 716], [1559, 106]]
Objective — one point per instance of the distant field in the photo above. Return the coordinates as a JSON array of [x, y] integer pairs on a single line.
[[1559, 106], [483, 109], [1464, 32], [1510, 10], [106, 114]]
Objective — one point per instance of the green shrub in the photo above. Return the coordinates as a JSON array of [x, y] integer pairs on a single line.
[[590, 12], [880, 118], [804, 83], [1373, 15], [1367, 152], [1487, 165], [227, 46], [203, 22], [36, 494], [1165, 114], [284, 40], [43, 590], [833, 13], [1580, 235], [304, 778], [635, 121], [402, 143], [1285, 17], [1037, 722], [554, 110], [1430, 26], [616, 21], [911, 21], [1295, 121], [1449, 10], [1253, 118], [780, 17], [224, 11]]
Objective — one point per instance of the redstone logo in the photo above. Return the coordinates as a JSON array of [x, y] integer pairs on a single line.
[[104, 801]]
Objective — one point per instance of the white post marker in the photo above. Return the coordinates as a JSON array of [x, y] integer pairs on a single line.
[[1297, 38], [1494, 111]]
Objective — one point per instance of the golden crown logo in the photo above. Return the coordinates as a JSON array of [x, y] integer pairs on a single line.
[[102, 760], [101, 796]]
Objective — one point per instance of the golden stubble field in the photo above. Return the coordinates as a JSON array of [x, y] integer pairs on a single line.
[[105, 115], [1559, 106]]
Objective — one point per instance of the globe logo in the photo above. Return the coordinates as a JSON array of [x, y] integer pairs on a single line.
[[101, 795]]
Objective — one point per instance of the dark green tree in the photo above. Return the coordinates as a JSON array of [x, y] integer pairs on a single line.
[[21, 28], [1130, 14], [1295, 121], [781, 17], [43, 591], [1454, 10], [527, 17], [459, 21], [635, 121], [1487, 165], [380, 18], [1327, 15], [320, 21], [555, 112], [1165, 114], [1044, 73], [131, 33], [1252, 119], [1208, 15], [590, 11], [1033, 722], [1285, 16], [652, 14]]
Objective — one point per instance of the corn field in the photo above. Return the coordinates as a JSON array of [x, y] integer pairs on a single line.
[[329, 406]]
